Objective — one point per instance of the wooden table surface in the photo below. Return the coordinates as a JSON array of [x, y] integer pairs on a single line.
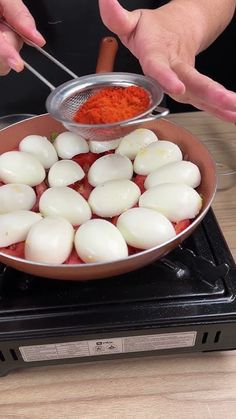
[[198, 386]]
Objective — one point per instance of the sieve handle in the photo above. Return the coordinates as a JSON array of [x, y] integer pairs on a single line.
[[151, 117], [105, 61], [39, 75], [106, 55], [45, 53]]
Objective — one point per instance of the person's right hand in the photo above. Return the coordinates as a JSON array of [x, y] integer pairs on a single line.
[[166, 41], [18, 16]]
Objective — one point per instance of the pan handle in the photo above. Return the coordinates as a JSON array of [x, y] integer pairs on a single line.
[[106, 55]]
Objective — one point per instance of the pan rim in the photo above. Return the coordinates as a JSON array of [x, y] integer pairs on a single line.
[[23, 120]]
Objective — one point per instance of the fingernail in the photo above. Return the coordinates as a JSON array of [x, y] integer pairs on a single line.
[[38, 35], [15, 64]]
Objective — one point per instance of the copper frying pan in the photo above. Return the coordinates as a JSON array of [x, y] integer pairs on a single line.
[[165, 130]]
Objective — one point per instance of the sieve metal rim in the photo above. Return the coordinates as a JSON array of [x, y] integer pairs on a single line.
[[99, 80]]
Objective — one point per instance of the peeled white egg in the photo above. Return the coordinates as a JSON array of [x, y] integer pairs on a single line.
[[49, 241], [179, 172], [113, 197], [69, 144], [100, 147], [156, 155], [65, 202], [144, 228], [132, 143], [64, 173], [100, 241], [15, 226], [16, 197], [41, 148], [21, 167], [174, 200], [110, 167]]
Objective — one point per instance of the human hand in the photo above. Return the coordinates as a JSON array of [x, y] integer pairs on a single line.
[[17, 15], [166, 45]]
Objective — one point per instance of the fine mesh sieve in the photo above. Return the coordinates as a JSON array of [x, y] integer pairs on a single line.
[[67, 98]]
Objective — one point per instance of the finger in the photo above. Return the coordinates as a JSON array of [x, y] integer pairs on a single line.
[[4, 68], [9, 57], [19, 17], [204, 89], [117, 19], [225, 115], [11, 37], [160, 70], [15, 41]]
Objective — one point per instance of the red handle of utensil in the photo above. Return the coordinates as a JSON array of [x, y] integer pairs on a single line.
[[107, 54]]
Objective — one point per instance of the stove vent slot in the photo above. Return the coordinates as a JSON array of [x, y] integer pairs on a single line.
[[13, 354], [2, 357], [204, 337], [217, 336]]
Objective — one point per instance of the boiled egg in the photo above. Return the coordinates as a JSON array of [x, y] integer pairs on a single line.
[[156, 155], [98, 147], [69, 144], [110, 167], [16, 197], [145, 228], [65, 202], [21, 167], [15, 226], [64, 173], [41, 148], [176, 201], [179, 172], [49, 241], [100, 241], [133, 142], [113, 197]]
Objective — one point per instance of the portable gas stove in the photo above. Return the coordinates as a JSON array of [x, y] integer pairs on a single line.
[[184, 303]]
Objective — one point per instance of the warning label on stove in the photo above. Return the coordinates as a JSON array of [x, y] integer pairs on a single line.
[[109, 346]]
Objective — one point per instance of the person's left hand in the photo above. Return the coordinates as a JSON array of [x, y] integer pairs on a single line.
[[15, 13], [166, 45]]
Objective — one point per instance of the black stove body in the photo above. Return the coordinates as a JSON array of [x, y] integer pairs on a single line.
[[183, 303]]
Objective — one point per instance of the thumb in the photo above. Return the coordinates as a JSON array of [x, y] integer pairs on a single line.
[[117, 19], [18, 16]]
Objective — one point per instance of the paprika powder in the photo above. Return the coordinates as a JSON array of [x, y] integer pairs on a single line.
[[113, 104]]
